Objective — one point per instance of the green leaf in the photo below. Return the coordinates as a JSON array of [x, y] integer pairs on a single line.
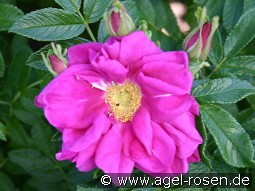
[[232, 11], [70, 5], [224, 90], [234, 143], [94, 9], [35, 164], [248, 4], [6, 183], [49, 24], [241, 34], [40, 185], [2, 67], [214, 7], [216, 53], [200, 2], [19, 72], [18, 42], [202, 148], [88, 189], [131, 8], [159, 16], [36, 61], [42, 134], [102, 34], [2, 135], [9, 14], [251, 100], [17, 133], [249, 127], [241, 65], [198, 168]]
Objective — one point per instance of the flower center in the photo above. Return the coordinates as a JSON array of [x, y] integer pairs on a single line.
[[124, 100]]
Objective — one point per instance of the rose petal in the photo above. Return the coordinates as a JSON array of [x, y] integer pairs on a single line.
[[186, 142], [178, 166], [164, 109], [79, 54], [86, 158], [68, 96], [195, 157], [169, 72], [151, 87], [79, 139], [132, 50], [109, 155], [111, 70], [65, 154], [142, 128], [178, 57], [162, 155]]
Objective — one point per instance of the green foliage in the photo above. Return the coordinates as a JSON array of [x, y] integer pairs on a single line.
[[9, 14], [241, 34], [70, 5], [214, 7], [94, 9], [248, 4], [6, 183], [224, 90], [241, 65], [231, 13], [216, 53], [49, 24], [88, 189], [164, 26], [2, 135], [228, 135], [1, 65]]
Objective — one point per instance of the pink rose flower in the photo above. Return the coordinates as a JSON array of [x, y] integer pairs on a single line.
[[124, 104]]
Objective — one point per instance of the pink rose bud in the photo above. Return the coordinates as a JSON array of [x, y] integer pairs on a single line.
[[198, 42], [57, 65], [55, 60], [117, 20]]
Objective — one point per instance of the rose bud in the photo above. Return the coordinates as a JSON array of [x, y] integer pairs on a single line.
[[117, 20], [55, 60], [198, 42], [57, 65]]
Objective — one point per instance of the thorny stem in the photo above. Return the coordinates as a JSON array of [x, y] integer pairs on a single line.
[[87, 26]]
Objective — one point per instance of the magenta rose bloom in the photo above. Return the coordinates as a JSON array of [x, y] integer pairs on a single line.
[[124, 104]]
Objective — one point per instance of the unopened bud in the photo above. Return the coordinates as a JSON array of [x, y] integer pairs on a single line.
[[55, 60], [198, 42], [117, 20], [57, 65]]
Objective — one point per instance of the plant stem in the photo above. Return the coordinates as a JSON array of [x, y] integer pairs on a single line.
[[16, 97], [34, 84], [4, 103], [87, 26], [217, 68], [63, 174]]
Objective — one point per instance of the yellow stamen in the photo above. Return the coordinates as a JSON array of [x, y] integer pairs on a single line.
[[124, 100]]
